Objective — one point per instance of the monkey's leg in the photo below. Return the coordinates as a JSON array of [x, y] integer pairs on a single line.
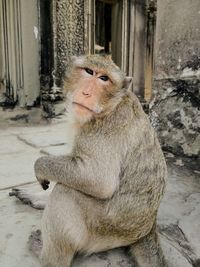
[[56, 255], [63, 228], [147, 251]]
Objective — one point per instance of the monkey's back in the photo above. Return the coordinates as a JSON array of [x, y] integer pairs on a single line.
[[133, 207]]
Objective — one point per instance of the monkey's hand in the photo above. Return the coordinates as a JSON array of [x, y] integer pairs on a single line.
[[40, 172], [45, 184]]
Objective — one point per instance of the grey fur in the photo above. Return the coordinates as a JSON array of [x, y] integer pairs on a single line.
[[108, 189]]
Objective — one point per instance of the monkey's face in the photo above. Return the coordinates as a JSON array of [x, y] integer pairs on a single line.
[[90, 93], [94, 84]]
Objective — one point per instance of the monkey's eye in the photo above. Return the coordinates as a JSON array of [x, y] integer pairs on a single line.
[[104, 78], [89, 71]]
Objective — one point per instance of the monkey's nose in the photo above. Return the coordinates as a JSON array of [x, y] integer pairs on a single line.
[[87, 92]]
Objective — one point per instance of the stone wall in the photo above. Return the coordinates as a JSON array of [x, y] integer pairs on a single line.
[[174, 109]]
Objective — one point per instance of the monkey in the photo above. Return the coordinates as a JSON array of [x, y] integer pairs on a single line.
[[108, 188]]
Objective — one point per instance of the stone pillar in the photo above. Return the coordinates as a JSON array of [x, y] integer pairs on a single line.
[[68, 33], [72, 29], [141, 47]]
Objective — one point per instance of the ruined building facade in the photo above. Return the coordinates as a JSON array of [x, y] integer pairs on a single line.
[[38, 37], [176, 102]]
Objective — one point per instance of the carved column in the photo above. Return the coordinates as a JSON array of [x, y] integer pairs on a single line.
[[69, 17], [150, 39], [144, 30]]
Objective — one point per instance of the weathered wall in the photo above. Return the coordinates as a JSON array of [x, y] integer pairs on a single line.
[[175, 107]]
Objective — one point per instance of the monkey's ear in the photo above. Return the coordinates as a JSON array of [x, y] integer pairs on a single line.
[[127, 82]]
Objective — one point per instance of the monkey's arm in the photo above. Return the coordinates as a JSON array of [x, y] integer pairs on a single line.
[[95, 174]]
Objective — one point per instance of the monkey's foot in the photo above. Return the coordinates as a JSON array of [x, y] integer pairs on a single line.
[[35, 242], [36, 200]]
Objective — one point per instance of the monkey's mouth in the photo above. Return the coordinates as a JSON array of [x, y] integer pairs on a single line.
[[82, 106]]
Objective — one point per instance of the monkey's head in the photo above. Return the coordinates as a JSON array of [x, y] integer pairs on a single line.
[[94, 86]]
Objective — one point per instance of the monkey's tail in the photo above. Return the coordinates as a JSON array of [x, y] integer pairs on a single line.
[[147, 252]]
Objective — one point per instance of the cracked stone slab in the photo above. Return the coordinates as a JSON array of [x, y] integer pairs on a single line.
[[17, 168], [179, 213], [16, 223], [56, 150], [44, 139], [118, 257], [112, 258], [55, 135], [173, 255], [6, 130], [15, 232], [190, 223], [11, 144], [177, 185]]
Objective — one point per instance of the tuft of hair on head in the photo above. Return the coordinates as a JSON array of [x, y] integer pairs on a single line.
[[100, 63]]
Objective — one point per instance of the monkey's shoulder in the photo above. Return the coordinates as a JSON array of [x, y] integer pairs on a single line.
[[130, 109], [127, 114]]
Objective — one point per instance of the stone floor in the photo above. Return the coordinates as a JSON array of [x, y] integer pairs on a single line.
[[179, 214]]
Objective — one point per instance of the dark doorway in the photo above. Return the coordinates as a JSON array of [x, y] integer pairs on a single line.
[[103, 13]]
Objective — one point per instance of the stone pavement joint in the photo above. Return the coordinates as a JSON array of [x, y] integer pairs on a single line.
[[17, 185]]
